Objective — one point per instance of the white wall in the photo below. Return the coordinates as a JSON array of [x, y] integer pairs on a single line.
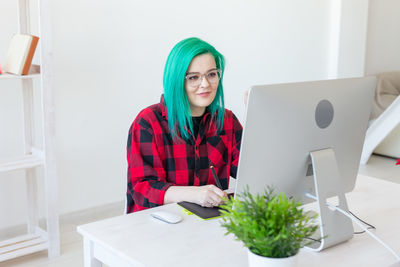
[[352, 38], [383, 41], [109, 58]]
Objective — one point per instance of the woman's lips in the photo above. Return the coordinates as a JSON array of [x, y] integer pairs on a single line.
[[204, 94]]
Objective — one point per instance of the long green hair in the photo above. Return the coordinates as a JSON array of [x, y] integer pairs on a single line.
[[179, 114]]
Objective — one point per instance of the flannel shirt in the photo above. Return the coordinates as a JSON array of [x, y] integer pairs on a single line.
[[156, 162]]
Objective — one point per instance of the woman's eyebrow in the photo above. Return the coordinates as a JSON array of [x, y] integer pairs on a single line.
[[195, 72]]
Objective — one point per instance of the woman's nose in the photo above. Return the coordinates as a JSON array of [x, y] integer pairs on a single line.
[[204, 82]]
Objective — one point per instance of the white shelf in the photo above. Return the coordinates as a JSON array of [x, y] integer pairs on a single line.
[[25, 162], [34, 72], [22, 245], [36, 239]]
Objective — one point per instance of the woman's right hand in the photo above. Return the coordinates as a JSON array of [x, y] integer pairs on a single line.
[[209, 195], [205, 195]]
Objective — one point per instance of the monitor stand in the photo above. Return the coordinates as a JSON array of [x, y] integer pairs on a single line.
[[334, 227]]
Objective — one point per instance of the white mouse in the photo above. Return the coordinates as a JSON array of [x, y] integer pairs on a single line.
[[167, 216]]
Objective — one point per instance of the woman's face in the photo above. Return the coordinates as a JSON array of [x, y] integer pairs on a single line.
[[201, 93]]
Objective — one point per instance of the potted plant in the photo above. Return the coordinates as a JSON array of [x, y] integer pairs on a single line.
[[272, 227]]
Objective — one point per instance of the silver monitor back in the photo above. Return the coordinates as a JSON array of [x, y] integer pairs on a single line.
[[285, 122]]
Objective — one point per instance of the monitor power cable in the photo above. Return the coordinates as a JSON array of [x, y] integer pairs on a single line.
[[357, 221], [370, 226]]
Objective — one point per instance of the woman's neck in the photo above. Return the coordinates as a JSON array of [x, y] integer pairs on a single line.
[[197, 112]]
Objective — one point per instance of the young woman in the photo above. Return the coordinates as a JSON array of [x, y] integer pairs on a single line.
[[173, 144]]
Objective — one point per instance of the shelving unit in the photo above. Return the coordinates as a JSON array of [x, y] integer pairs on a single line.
[[34, 72], [36, 239]]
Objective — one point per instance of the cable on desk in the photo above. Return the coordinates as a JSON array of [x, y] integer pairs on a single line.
[[370, 226], [313, 239], [359, 224], [365, 229]]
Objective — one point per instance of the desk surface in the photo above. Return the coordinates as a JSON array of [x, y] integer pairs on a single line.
[[139, 240]]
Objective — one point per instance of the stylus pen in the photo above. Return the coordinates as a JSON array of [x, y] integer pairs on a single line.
[[216, 177]]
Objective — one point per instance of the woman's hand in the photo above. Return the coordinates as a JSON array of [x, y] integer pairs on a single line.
[[206, 195], [209, 196]]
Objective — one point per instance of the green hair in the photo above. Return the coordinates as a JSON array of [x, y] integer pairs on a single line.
[[179, 114]]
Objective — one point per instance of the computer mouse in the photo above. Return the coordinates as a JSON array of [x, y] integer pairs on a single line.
[[166, 216]]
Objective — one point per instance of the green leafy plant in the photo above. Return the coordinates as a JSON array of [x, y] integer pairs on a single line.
[[269, 225]]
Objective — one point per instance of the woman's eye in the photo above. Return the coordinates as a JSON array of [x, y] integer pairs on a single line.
[[193, 77], [212, 74]]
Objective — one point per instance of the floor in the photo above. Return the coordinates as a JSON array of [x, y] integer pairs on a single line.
[[71, 241], [381, 167]]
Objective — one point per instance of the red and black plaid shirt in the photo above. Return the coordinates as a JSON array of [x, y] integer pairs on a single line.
[[155, 162]]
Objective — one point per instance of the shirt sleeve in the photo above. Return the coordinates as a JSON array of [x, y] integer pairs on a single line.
[[146, 174], [237, 132]]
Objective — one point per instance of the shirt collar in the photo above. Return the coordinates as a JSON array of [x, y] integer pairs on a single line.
[[163, 107]]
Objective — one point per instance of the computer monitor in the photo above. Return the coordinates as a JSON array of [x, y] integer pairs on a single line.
[[306, 138]]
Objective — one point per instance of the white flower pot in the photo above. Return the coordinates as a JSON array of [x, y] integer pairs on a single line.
[[260, 261]]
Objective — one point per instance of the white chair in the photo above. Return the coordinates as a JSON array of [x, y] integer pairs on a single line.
[[388, 88]]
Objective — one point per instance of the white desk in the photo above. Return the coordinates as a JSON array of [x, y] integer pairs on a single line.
[[140, 240]]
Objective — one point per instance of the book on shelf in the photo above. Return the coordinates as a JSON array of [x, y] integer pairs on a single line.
[[20, 54]]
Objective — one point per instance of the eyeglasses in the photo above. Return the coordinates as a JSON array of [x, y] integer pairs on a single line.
[[195, 79]]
